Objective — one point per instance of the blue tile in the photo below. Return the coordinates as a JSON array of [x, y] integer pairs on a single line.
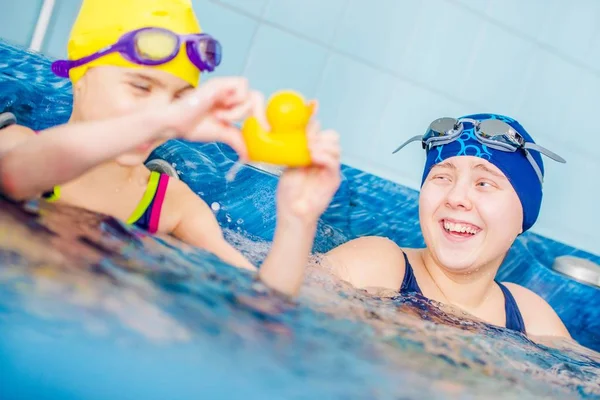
[[496, 70], [548, 92], [254, 7], [59, 29], [571, 27], [439, 51], [409, 112], [279, 60], [477, 5], [378, 34], [592, 55], [581, 114], [576, 195], [549, 113], [316, 19], [18, 19], [233, 30], [529, 17], [352, 100]]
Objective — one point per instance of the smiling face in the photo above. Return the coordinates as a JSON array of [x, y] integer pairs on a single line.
[[108, 92], [469, 213]]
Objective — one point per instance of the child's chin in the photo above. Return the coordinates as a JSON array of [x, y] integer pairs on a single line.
[[457, 261]]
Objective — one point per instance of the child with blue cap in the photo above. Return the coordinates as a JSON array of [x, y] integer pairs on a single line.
[[481, 188]]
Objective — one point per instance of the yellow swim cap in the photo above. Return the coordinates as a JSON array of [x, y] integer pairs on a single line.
[[101, 23]]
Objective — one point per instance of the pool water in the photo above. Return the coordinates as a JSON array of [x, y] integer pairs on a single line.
[[90, 308], [364, 205], [368, 205]]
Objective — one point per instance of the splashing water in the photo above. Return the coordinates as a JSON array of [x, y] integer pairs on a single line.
[[91, 292], [230, 176]]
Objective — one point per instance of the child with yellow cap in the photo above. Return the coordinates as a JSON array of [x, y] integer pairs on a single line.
[[135, 65]]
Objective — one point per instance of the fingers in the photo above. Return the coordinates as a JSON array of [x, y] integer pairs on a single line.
[[259, 110], [327, 142], [216, 94], [231, 91], [327, 164], [236, 113], [312, 130], [212, 130], [325, 151], [234, 139], [198, 101], [250, 106], [231, 100], [313, 105]]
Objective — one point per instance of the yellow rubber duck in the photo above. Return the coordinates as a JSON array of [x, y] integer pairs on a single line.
[[286, 144]]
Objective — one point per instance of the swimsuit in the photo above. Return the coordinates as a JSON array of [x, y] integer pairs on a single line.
[[147, 213], [514, 319]]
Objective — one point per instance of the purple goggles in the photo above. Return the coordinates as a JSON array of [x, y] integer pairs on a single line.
[[151, 47]]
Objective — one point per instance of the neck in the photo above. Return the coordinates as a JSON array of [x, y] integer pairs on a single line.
[[74, 118], [467, 290]]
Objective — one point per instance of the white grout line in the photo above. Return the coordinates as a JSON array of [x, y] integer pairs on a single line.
[[329, 48], [42, 25]]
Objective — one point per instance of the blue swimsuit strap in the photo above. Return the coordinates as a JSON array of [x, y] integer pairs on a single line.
[[409, 283], [514, 319]]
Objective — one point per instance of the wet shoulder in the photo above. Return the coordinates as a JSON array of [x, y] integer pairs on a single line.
[[539, 317], [369, 261], [180, 201]]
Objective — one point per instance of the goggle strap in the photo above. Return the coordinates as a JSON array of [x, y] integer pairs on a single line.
[[498, 146], [535, 166], [412, 139], [471, 121], [545, 152]]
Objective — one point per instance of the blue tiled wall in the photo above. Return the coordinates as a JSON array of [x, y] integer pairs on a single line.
[[383, 69], [18, 19]]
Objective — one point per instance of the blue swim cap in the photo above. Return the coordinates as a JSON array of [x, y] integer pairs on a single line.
[[515, 166]]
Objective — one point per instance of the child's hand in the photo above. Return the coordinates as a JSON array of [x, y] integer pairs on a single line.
[[209, 112], [305, 193]]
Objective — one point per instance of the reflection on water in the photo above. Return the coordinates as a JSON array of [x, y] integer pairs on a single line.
[[88, 285]]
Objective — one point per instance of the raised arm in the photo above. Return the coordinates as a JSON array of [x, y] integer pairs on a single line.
[[31, 164]]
